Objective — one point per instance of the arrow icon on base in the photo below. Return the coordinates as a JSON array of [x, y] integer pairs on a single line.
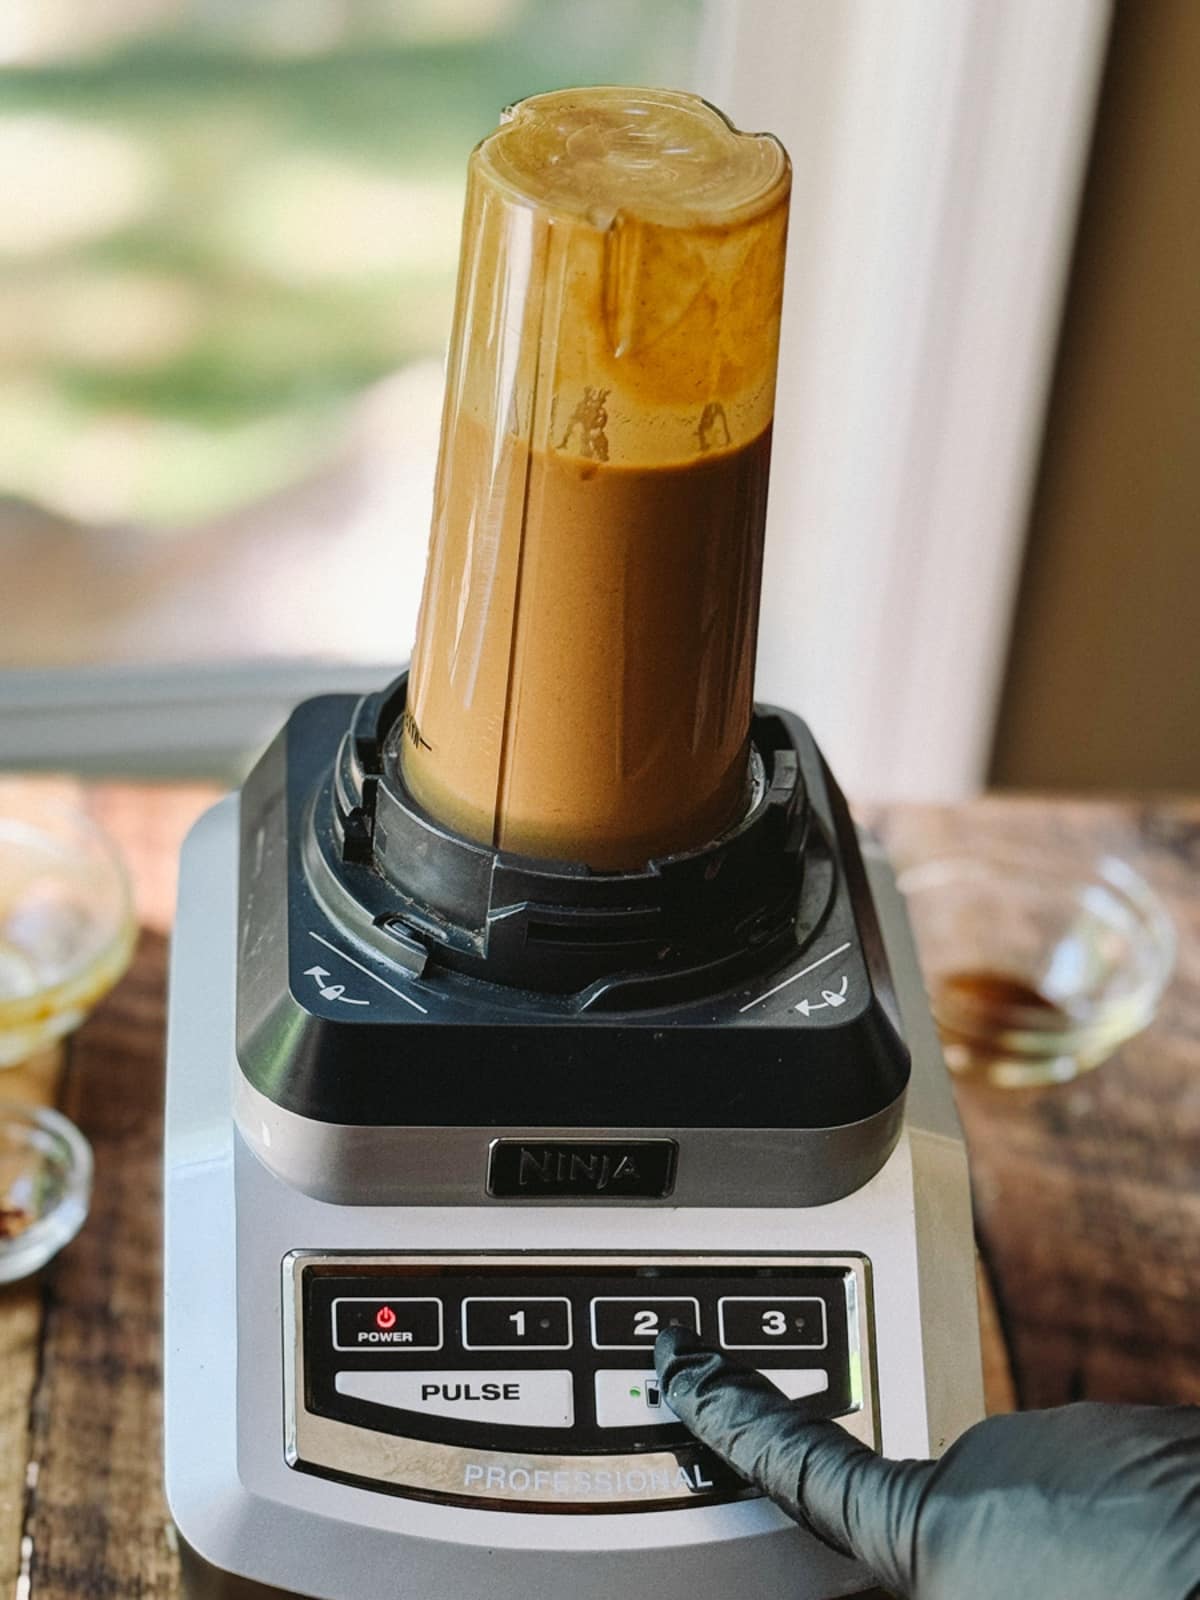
[[331, 991], [829, 997]]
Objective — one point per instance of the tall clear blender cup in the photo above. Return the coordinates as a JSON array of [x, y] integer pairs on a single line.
[[582, 678]]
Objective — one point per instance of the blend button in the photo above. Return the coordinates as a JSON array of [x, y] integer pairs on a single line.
[[629, 1399], [374, 1325], [510, 1399]]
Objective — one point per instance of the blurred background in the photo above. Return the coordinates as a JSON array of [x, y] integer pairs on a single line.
[[228, 237]]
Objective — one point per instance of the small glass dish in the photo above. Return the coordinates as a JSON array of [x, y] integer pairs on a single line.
[[45, 1187], [67, 925], [1036, 971]]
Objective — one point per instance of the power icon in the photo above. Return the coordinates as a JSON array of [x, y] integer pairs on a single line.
[[385, 1318]]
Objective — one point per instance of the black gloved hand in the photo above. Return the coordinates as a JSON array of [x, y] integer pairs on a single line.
[[1090, 1502]]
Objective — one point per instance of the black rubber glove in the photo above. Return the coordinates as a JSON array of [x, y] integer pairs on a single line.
[[1090, 1502]]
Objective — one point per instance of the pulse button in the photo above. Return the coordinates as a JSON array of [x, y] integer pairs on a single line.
[[375, 1326], [509, 1399]]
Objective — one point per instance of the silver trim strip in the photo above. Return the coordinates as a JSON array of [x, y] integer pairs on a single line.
[[419, 1166]]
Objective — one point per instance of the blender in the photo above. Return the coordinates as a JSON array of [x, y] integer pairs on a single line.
[[549, 996]]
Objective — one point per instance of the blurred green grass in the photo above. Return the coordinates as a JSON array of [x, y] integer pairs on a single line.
[[281, 232]]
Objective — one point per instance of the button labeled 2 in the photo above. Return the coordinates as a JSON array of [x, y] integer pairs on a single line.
[[626, 1322], [788, 1322]]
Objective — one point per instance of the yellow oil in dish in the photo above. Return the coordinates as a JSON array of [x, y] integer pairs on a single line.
[[67, 926]]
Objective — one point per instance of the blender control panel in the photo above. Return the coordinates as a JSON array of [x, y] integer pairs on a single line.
[[528, 1381]]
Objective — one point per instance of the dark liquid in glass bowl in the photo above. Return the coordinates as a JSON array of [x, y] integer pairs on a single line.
[[982, 1014]]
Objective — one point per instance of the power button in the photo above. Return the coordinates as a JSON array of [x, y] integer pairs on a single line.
[[371, 1325]]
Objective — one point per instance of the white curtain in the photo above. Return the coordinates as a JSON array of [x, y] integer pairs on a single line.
[[939, 148]]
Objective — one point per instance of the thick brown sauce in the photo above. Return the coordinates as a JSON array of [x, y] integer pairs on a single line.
[[583, 674]]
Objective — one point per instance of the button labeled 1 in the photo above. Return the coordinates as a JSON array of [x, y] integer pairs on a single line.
[[492, 1322], [787, 1322], [629, 1322]]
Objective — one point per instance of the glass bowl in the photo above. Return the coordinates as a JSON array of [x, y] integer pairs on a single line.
[[45, 1187], [67, 925], [1036, 971]]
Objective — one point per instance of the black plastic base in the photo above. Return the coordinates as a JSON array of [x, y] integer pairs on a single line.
[[345, 1018], [682, 924]]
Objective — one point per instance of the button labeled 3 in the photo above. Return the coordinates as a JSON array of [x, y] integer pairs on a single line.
[[787, 1322], [509, 1399]]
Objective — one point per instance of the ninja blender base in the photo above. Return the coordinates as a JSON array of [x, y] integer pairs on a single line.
[[273, 1495]]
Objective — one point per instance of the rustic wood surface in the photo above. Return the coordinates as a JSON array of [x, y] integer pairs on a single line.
[[1087, 1197]]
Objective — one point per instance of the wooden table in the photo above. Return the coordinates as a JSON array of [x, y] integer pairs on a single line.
[[1088, 1203]]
